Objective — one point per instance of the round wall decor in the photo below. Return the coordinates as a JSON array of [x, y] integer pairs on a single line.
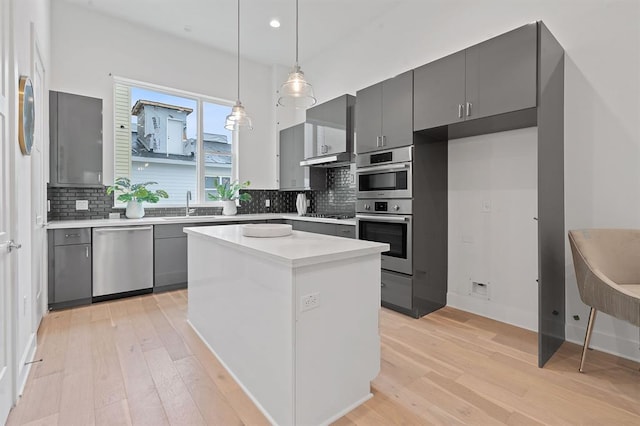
[[26, 115]]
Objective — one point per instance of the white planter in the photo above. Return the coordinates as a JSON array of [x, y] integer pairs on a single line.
[[229, 208], [135, 210]]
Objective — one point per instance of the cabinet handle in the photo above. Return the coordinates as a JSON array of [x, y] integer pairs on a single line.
[[382, 285], [469, 105], [460, 108], [377, 141], [99, 177], [382, 138], [87, 251], [71, 235]]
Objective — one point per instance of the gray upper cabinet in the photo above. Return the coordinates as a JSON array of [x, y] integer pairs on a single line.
[[329, 127], [76, 140], [494, 77], [384, 114], [439, 92], [292, 150]]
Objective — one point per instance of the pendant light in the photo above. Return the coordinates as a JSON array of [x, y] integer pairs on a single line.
[[296, 92], [238, 117]]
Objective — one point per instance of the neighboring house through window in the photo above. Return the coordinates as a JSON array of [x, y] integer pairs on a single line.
[[160, 137]]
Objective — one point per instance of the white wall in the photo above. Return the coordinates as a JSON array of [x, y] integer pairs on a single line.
[[493, 237], [87, 48], [25, 14], [602, 101]]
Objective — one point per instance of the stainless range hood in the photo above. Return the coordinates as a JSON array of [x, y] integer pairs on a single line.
[[329, 133]]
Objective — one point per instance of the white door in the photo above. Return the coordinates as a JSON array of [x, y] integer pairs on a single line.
[[38, 196], [6, 370], [174, 136]]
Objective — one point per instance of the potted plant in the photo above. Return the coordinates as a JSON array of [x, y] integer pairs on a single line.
[[228, 193], [134, 194]]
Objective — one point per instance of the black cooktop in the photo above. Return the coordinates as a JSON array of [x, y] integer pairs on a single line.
[[331, 215]]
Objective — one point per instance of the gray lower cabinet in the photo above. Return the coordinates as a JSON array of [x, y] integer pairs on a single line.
[[293, 176], [169, 257], [345, 231], [384, 114], [494, 77], [69, 267], [75, 128]]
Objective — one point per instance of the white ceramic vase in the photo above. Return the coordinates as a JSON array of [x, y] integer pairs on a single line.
[[135, 209], [301, 204], [229, 207]]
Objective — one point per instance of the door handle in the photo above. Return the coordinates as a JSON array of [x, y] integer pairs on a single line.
[[11, 245]]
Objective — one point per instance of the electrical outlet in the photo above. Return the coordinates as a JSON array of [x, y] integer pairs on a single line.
[[309, 301], [267, 203], [82, 204], [486, 206]]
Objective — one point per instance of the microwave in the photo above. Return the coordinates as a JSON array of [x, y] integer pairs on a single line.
[[385, 174]]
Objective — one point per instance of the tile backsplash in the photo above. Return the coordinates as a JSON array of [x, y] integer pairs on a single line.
[[339, 197]]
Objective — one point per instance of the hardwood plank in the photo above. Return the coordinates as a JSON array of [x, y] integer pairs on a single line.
[[42, 400], [54, 345], [145, 406], [176, 400], [51, 420], [212, 404], [146, 333], [138, 361], [171, 340], [115, 414], [107, 372]]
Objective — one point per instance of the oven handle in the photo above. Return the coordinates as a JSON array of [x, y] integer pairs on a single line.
[[388, 167], [383, 218]]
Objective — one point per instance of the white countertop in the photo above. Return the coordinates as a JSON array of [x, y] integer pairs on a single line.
[[298, 249], [94, 223]]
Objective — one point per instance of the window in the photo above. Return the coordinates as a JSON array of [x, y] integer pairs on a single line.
[[172, 137]]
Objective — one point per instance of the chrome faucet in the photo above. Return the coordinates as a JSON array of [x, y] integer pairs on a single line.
[[188, 211]]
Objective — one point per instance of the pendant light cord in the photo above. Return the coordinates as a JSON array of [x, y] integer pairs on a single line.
[[238, 99], [296, 32]]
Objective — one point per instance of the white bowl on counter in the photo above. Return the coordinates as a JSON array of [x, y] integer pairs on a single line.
[[266, 230]]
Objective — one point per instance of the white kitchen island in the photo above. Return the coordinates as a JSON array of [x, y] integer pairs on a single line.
[[247, 300]]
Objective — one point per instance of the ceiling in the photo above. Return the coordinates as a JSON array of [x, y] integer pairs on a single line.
[[323, 23]]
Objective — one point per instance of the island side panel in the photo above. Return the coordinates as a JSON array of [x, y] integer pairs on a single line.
[[337, 343], [241, 305]]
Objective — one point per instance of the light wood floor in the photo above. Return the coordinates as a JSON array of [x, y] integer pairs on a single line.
[[137, 361]]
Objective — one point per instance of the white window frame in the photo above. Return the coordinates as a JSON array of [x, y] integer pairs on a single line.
[[201, 197]]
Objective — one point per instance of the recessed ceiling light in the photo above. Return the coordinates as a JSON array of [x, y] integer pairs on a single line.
[[274, 23]]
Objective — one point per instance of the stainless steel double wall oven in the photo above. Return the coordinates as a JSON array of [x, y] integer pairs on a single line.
[[399, 201], [384, 189]]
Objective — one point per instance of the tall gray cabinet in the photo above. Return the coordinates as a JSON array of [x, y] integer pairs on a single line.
[[512, 81], [384, 114], [75, 129]]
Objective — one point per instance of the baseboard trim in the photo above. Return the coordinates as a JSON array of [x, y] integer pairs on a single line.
[[489, 309], [624, 348], [24, 367]]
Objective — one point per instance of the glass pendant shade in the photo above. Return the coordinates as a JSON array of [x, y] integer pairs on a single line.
[[296, 92], [238, 118]]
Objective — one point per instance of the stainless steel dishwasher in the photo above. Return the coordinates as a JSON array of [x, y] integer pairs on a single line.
[[122, 259]]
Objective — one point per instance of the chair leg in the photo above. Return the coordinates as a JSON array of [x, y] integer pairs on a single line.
[[587, 337]]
